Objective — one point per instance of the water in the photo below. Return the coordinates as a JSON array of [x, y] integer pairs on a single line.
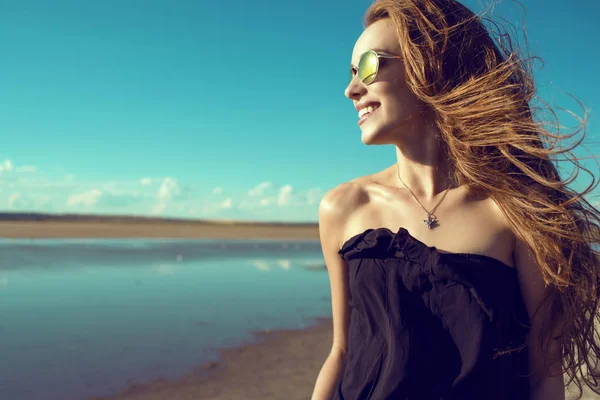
[[81, 318]]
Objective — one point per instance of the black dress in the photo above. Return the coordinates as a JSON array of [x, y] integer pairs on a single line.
[[431, 325]]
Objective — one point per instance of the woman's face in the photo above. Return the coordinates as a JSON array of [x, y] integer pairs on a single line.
[[397, 109]]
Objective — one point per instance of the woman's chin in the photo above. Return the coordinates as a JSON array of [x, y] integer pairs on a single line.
[[372, 138]]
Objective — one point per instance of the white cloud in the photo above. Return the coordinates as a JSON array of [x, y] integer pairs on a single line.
[[6, 166], [267, 201], [168, 189], [285, 194], [259, 190], [89, 198], [33, 190], [227, 203]]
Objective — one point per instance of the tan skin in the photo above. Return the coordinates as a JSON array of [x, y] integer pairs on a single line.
[[467, 223]]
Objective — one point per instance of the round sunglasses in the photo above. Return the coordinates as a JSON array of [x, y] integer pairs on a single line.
[[368, 66]]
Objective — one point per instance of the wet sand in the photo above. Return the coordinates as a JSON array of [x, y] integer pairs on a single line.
[[280, 365]]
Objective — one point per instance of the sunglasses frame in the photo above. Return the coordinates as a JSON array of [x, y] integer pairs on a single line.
[[354, 70]]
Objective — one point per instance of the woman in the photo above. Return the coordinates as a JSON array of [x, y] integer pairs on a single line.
[[466, 269]]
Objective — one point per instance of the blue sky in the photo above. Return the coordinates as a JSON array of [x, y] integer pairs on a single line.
[[224, 110]]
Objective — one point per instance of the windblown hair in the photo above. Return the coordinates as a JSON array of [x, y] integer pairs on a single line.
[[480, 92]]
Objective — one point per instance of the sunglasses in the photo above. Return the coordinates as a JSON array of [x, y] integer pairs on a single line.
[[368, 66]]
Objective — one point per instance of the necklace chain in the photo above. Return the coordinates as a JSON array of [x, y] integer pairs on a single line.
[[431, 218]]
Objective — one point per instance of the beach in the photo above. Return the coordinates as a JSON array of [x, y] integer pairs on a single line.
[[40, 227], [281, 364]]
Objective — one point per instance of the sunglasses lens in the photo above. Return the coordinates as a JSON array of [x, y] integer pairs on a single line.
[[367, 67]]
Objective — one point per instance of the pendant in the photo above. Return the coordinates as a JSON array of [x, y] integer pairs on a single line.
[[430, 221]]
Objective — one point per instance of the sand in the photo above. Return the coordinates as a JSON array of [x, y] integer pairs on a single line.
[[281, 364], [154, 229]]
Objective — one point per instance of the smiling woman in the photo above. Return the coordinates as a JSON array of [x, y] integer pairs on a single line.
[[467, 269]]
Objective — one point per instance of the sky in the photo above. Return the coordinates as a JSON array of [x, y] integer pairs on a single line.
[[218, 110]]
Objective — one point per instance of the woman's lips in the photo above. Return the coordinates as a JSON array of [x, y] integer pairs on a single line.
[[366, 116]]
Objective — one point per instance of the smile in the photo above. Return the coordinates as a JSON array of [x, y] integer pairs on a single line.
[[366, 112]]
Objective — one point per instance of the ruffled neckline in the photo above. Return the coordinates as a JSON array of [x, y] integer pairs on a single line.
[[384, 243]]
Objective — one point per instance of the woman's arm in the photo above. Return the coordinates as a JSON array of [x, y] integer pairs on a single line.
[[333, 212], [550, 386]]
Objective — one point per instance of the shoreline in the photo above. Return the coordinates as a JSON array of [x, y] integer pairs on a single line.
[[277, 364], [56, 229]]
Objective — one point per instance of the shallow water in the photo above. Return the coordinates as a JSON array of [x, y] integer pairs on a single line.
[[84, 317]]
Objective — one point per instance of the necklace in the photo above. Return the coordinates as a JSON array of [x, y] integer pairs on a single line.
[[431, 218]]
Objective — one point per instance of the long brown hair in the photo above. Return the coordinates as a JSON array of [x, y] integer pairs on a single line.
[[481, 92]]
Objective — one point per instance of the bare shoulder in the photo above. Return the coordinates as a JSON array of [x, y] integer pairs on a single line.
[[342, 199], [338, 204]]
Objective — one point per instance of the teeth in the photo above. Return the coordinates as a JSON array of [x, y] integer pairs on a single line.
[[366, 110]]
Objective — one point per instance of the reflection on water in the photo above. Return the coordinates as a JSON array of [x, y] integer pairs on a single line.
[[62, 253], [82, 318]]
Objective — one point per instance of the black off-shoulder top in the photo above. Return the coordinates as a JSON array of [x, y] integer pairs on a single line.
[[426, 324]]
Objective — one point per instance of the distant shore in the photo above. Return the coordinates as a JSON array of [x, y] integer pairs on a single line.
[[39, 226]]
